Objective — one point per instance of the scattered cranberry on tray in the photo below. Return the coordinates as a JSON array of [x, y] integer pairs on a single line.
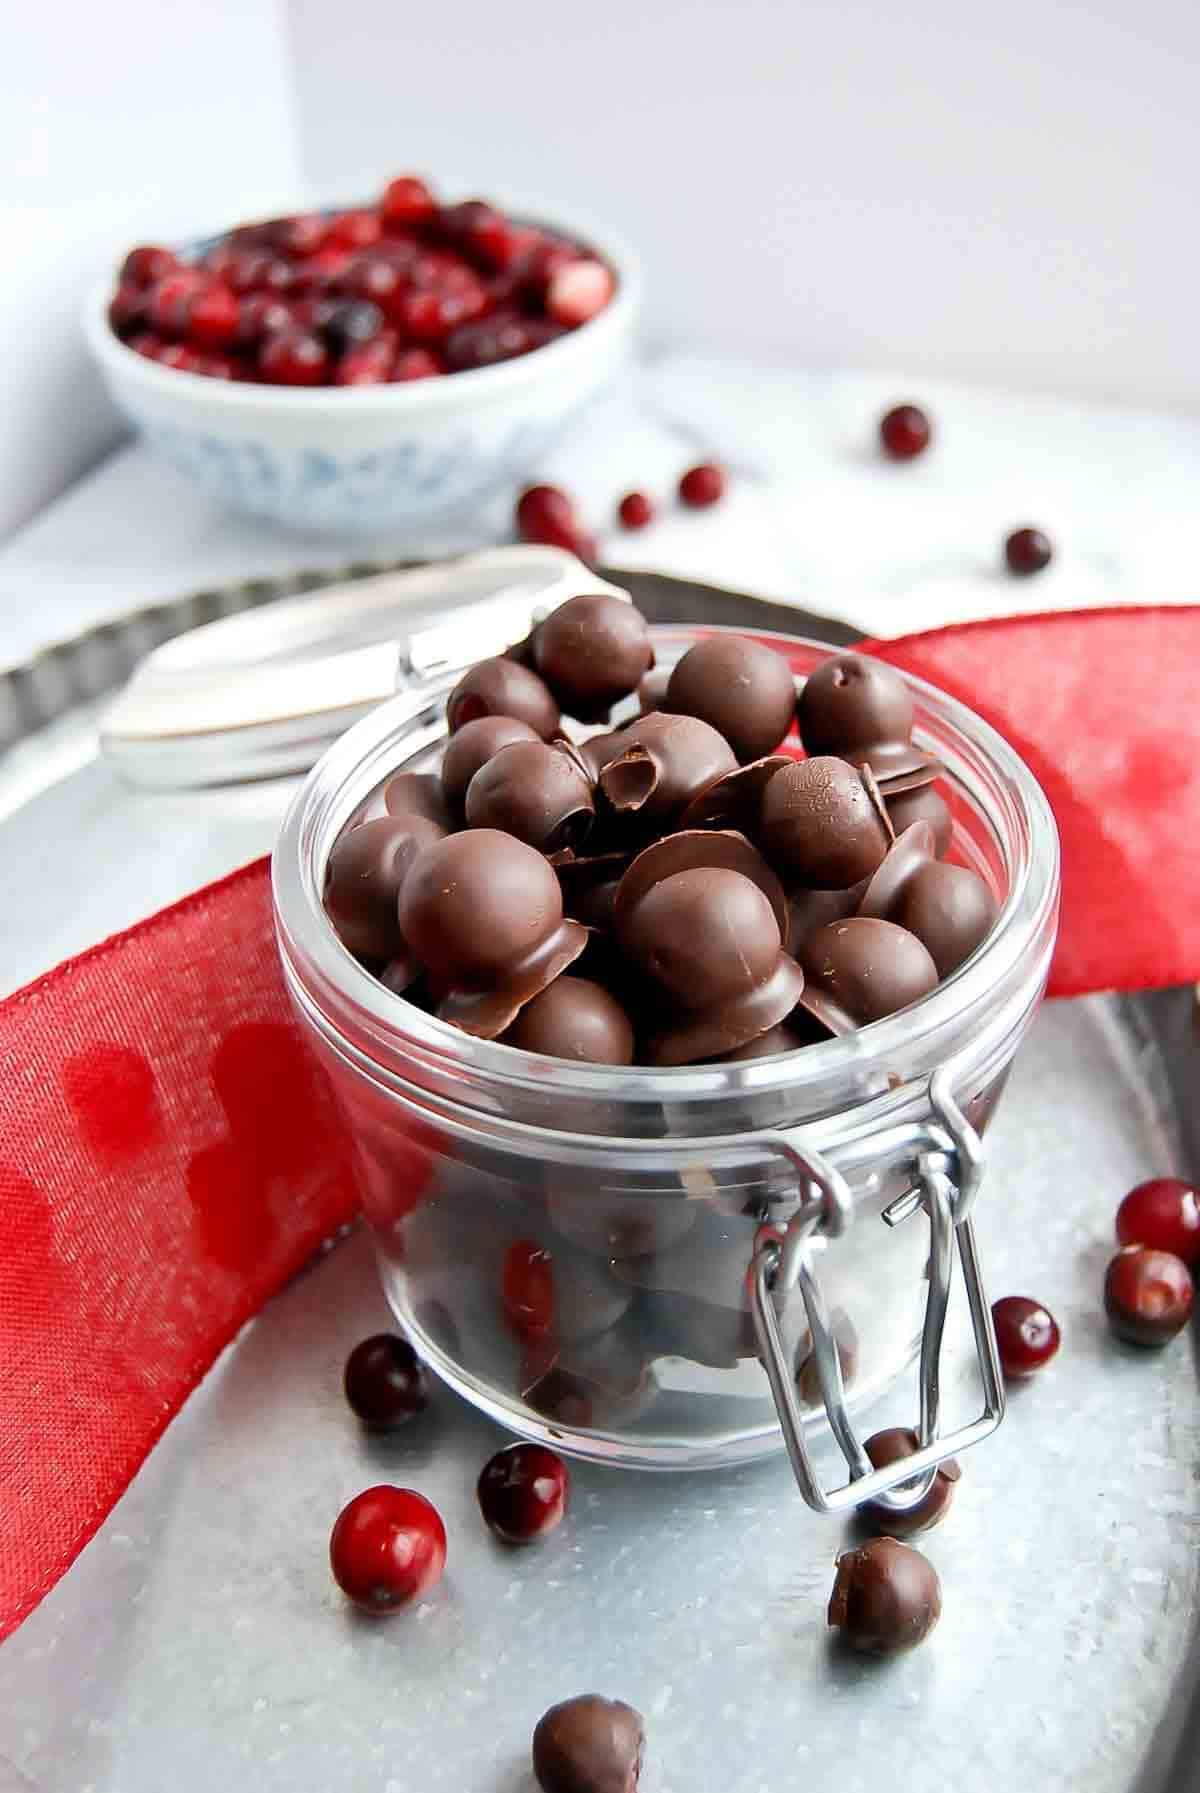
[[1027, 551], [1163, 1213], [1027, 1335], [702, 485], [905, 432], [1147, 1295], [523, 1493], [465, 280], [385, 1382], [387, 1547]]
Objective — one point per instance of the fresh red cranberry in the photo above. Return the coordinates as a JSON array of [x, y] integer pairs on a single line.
[[417, 364], [260, 271], [1027, 551], [429, 315], [127, 309], [147, 264], [302, 235], [544, 513], [167, 304], [372, 364], [406, 202], [578, 292], [635, 510], [538, 263], [293, 358], [703, 485], [181, 357], [500, 337], [260, 315], [213, 315], [479, 232], [1164, 1214], [147, 344], [381, 282], [1027, 1334], [905, 432], [219, 367], [385, 1382], [527, 1289], [523, 1493], [387, 1547], [356, 230], [1147, 1295], [347, 324]]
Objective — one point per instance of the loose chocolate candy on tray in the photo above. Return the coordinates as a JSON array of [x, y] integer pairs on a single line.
[[591, 652], [742, 688], [576, 1019], [502, 687], [886, 1597], [363, 879], [852, 704], [589, 1745], [482, 913], [471, 747], [664, 762], [538, 792], [867, 969], [822, 823]]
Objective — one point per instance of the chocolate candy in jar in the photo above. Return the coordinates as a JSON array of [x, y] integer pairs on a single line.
[[599, 749], [539, 792], [652, 689], [694, 1298], [740, 687], [589, 1382], [577, 1019], [471, 747], [852, 704], [809, 910], [823, 825], [591, 652], [502, 687], [664, 762], [948, 907], [482, 913], [548, 1292], [734, 800], [922, 803], [408, 794], [366, 871], [690, 850], [866, 969]]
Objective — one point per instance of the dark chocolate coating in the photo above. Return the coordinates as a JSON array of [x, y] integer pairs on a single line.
[[950, 910], [538, 793], [664, 762], [743, 689], [888, 1447], [822, 824], [589, 1745], [734, 801], [706, 935], [599, 749], [809, 910], [922, 804], [866, 968], [591, 651], [363, 879], [502, 687], [899, 767], [408, 794], [473, 746], [886, 1597], [692, 849], [574, 1018], [852, 703], [483, 914]]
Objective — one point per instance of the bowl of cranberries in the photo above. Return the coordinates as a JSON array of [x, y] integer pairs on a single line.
[[360, 367]]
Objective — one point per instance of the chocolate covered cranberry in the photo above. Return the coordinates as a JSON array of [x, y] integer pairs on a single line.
[[851, 704], [471, 747], [743, 689], [388, 1547], [1147, 1295], [823, 823], [589, 1745], [522, 1493], [1164, 1214], [886, 1597], [922, 803], [888, 1447], [366, 870], [577, 1019], [501, 686], [591, 652], [385, 1383], [664, 762], [542, 794], [866, 969]]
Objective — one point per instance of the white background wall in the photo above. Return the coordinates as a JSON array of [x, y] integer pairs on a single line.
[[1003, 191]]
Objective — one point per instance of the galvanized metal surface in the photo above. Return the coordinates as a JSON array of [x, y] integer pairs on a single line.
[[199, 1640]]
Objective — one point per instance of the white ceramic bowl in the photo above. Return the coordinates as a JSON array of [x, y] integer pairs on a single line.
[[349, 459]]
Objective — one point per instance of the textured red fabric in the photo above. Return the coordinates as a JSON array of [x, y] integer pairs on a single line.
[[1102, 705], [169, 1156], [170, 1153]]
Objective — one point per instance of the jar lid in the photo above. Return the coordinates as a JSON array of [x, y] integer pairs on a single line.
[[265, 692]]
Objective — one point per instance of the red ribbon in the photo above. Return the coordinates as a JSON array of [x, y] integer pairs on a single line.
[[170, 1154]]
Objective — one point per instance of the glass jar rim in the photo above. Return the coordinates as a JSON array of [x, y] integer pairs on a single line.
[[336, 988]]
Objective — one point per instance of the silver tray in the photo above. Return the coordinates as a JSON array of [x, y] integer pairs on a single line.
[[199, 1640]]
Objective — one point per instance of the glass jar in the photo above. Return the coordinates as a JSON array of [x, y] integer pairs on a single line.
[[570, 1246]]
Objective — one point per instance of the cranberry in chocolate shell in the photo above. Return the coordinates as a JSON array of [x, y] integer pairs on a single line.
[[599, 749], [690, 850], [502, 687], [735, 800], [664, 762], [473, 746], [482, 912], [592, 651], [822, 824], [576, 1019], [809, 910], [742, 688], [363, 879], [589, 1745], [410, 794], [950, 910], [540, 793], [888, 1447], [922, 803], [886, 1597], [867, 969], [710, 940], [851, 704]]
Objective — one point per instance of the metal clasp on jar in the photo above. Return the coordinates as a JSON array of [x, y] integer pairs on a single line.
[[947, 1160]]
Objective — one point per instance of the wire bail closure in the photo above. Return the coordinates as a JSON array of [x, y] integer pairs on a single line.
[[947, 1156]]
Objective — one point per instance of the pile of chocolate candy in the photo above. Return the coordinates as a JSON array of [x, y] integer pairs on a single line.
[[676, 890]]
